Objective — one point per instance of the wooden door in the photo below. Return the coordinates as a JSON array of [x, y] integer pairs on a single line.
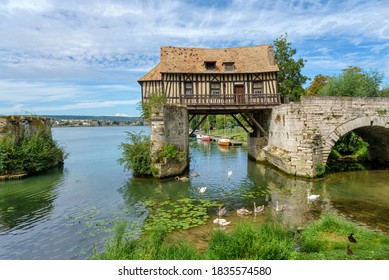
[[239, 94]]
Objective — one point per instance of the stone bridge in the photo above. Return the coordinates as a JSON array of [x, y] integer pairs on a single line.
[[301, 135]]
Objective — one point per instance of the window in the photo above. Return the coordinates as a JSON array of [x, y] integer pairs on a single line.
[[257, 88], [188, 88], [215, 88], [210, 65], [229, 66]]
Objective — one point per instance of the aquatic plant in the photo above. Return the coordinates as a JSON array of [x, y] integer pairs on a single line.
[[184, 213]]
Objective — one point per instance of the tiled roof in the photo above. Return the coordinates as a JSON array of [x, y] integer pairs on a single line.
[[254, 59]]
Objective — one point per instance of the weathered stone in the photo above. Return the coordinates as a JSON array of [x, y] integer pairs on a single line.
[[305, 132]]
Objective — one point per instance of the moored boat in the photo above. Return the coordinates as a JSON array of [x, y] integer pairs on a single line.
[[224, 142], [205, 138]]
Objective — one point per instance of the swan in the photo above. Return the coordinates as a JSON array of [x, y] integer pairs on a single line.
[[280, 209], [182, 179], [243, 211], [229, 173], [202, 189], [222, 211], [222, 222], [195, 174], [312, 197], [259, 209]]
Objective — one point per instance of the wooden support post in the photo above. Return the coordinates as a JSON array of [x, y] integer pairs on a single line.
[[198, 125], [256, 123], [240, 123]]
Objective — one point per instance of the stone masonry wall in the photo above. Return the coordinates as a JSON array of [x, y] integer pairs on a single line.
[[169, 125], [301, 135]]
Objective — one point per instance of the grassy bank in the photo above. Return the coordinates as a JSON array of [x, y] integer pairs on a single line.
[[325, 239]]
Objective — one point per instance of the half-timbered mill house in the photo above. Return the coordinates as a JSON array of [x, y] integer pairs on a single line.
[[210, 81], [215, 81]]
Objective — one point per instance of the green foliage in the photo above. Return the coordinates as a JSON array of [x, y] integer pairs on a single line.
[[155, 98], [317, 84], [247, 241], [290, 80], [320, 169], [170, 151], [327, 239], [31, 154], [349, 144], [354, 82], [182, 214], [323, 239], [136, 154]]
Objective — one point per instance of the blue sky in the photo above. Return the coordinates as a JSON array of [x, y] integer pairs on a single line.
[[85, 57]]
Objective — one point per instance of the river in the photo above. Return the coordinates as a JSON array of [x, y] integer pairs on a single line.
[[68, 212]]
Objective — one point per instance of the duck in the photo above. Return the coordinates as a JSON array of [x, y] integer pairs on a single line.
[[351, 238], [349, 251], [259, 209], [182, 179], [222, 222], [243, 211], [202, 189], [222, 211], [280, 209], [195, 174], [229, 173]]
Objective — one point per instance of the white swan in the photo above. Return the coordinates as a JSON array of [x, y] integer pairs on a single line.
[[243, 211], [312, 197], [222, 211], [195, 174], [280, 209], [259, 209], [202, 189], [229, 173], [222, 222]]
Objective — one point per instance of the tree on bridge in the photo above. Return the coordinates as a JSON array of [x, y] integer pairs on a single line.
[[354, 82], [317, 84], [290, 80]]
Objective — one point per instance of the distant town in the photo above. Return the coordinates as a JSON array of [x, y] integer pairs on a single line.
[[89, 121]]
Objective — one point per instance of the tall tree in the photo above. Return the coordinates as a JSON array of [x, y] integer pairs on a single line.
[[317, 84], [290, 80]]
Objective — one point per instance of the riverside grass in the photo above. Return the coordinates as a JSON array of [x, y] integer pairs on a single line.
[[325, 239]]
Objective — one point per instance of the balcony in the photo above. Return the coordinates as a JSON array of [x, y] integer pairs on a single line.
[[221, 104]]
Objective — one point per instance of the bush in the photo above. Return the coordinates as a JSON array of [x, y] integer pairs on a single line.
[[136, 154], [31, 154]]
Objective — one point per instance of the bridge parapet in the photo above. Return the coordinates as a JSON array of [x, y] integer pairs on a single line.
[[301, 135]]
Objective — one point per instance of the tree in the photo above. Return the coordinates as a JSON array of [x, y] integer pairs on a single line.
[[290, 80], [354, 82], [317, 84]]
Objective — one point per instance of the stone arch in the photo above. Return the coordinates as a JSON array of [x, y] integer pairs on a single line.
[[373, 129]]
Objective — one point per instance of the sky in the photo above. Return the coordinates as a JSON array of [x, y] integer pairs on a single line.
[[71, 57]]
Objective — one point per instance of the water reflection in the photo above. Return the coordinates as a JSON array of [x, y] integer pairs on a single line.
[[24, 203]]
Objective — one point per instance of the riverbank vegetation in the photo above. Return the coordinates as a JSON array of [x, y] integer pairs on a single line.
[[325, 239], [29, 155], [136, 154]]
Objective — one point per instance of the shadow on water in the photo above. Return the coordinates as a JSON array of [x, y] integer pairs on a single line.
[[25, 202]]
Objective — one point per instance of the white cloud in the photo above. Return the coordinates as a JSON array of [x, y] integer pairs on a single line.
[[117, 41]]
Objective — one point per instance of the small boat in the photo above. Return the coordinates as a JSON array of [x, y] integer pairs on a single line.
[[205, 138], [224, 142]]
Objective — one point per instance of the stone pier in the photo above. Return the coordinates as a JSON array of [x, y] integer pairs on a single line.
[[169, 126]]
